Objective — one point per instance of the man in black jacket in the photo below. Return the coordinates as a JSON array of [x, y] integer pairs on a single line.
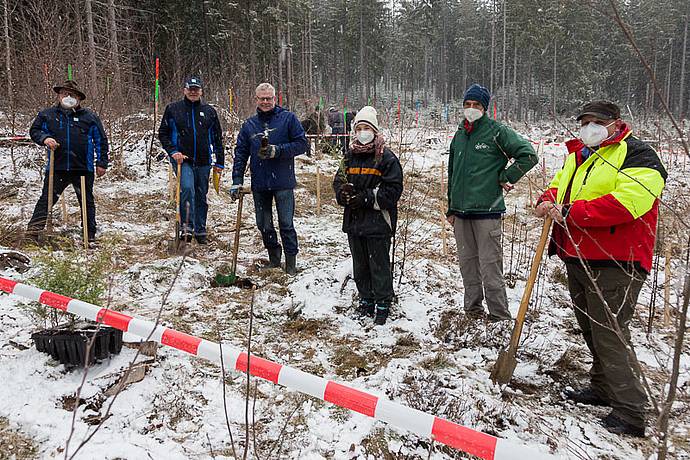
[[80, 146], [369, 185], [190, 132]]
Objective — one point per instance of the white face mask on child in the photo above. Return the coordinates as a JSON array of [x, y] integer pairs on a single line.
[[365, 136]]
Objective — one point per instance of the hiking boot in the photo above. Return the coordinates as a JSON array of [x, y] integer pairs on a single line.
[[291, 264], [201, 239], [366, 307], [616, 425], [381, 314], [274, 255], [587, 396]]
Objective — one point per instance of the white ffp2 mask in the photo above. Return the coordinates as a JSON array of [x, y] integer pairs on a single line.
[[593, 134], [472, 114]]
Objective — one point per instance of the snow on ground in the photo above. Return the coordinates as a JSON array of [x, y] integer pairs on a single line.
[[428, 356]]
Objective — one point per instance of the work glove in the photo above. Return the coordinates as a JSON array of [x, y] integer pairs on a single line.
[[235, 191], [267, 151]]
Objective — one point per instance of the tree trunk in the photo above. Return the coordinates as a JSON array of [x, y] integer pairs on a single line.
[[92, 46], [114, 48], [503, 80], [493, 46], [10, 82], [362, 83], [681, 94]]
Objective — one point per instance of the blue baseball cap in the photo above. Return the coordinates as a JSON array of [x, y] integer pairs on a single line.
[[193, 82]]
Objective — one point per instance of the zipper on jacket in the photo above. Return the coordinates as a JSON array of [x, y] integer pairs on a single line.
[[68, 142], [194, 131]]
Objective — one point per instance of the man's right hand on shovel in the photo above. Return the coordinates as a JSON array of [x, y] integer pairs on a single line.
[[235, 190], [51, 143], [179, 157]]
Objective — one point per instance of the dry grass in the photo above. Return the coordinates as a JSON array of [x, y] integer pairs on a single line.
[[15, 445]]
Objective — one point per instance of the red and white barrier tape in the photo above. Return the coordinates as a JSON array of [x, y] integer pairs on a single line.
[[457, 436]]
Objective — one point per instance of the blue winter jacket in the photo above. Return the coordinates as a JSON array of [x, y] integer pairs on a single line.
[[286, 134], [192, 128], [83, 143]]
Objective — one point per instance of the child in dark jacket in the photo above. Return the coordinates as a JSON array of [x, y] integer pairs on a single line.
[[368, 185]]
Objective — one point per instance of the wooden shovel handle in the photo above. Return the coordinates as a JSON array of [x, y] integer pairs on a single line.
[[51, 175], [524, 303], [177, 192], [238, 226]]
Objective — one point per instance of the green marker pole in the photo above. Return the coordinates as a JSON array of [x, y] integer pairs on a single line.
[[69, 71]]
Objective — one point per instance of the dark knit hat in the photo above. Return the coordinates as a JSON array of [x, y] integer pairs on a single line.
[[72, 86], [604, 110], [478, 93]]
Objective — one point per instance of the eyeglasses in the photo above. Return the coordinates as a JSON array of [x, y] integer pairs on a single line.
[[265, 99]]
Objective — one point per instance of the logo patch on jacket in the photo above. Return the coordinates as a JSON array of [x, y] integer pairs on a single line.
[[481, 146], [202, 114]]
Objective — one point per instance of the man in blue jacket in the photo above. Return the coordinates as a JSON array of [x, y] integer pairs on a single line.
[[190, 132], [272, 139], [80, 146]]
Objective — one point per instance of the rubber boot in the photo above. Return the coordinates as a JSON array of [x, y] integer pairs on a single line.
[[291, 264], [274, 256]]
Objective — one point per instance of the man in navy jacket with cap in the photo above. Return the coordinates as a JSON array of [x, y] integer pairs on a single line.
[[271, 139], [190, 132]]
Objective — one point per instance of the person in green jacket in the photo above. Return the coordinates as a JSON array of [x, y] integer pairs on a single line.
[[478, 174]]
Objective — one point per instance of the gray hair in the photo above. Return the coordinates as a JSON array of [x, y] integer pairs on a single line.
[[264, 87]]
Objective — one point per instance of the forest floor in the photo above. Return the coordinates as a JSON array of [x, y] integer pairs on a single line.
[[428, 355]]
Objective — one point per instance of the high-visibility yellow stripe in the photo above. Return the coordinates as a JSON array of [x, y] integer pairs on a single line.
[[372, 171]]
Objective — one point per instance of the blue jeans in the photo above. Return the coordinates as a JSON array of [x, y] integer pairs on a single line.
[[285, 205], [193, 190]]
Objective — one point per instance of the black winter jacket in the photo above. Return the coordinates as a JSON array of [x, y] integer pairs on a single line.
[[83, 143], [192, 128], [383, 184]]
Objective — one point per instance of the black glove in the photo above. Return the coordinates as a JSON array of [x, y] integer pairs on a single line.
[[360, 200], [267, 152], [347, 191]]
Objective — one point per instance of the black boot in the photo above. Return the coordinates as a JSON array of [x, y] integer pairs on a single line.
[[291, 264], [587, 396], [382, 309], [366, 307], [616, 425], [274, 255]]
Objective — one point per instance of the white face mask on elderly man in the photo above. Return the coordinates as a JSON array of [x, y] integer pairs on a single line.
[[472, 114], [593, 134], [365, 136], [68, 102]]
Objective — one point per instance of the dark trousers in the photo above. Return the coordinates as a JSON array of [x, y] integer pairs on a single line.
[[61, 180], [612, 373], [285, 205], [371, 268]]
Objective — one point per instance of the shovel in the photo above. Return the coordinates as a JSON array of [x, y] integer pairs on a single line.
[[176, 246], [232, 279], [506, 362]]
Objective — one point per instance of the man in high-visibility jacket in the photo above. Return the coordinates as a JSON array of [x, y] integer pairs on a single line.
[[605, 205]]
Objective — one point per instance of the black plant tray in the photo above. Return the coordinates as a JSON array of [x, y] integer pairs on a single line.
[[69, 346]]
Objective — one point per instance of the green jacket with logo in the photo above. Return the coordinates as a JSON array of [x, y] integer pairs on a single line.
[[478, 164]]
